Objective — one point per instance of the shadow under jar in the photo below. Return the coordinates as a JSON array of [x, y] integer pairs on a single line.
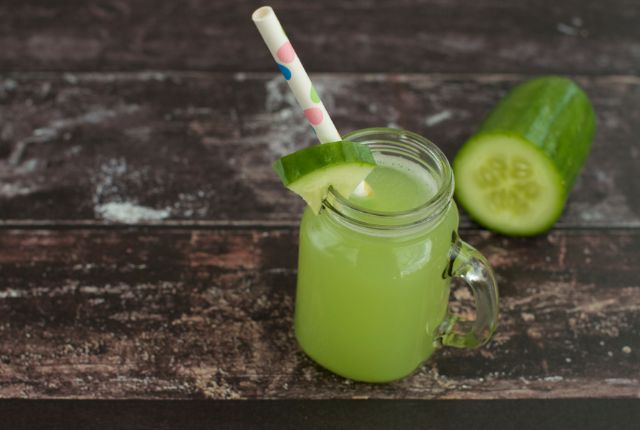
[[374, 269]]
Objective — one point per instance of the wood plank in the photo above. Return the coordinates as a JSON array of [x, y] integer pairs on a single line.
[[206, 313], [584, 36], [185, 147]]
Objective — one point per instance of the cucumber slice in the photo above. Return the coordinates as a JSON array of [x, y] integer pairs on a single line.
[[311, 171], [515, 173]]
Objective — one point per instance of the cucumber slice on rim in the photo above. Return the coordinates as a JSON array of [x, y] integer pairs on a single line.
[[311, 171], [515, 173]]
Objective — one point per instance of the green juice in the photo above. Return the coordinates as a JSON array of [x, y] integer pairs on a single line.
[[370, 303]]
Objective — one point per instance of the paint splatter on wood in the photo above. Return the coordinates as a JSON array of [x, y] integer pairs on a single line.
[[198, 147]]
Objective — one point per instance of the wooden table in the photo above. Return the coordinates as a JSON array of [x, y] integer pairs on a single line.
[[147, 251]]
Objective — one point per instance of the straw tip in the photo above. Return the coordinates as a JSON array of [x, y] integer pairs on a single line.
[[262, 13]]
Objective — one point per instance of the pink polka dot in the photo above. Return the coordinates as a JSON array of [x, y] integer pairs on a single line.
[[285, 53], [314, 115]]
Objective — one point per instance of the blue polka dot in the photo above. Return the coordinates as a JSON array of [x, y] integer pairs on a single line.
[[285, 71]]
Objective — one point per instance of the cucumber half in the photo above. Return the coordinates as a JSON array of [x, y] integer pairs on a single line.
[[310, 172], [515, 173], [509, 185]]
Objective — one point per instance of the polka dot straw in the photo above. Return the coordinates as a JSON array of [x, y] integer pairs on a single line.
[[291, 68]]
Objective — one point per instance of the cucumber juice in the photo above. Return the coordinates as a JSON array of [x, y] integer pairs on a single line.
[[369, 303]]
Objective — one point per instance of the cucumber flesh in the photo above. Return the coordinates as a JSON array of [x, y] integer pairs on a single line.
[[343, 178], [515, 173], [310, 172], [509, 185]]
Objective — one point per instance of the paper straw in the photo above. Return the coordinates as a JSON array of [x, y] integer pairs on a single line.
[[293, 71]]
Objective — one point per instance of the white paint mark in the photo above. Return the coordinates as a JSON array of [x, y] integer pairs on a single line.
[[278, 96], [130, 213], [106, 182], [10, 293], [53, 129], [528, 317], [153, 76], [553, 378], [13, 190], [8, 85], [604, 177], [566, 29], [591, 216], [70, 78], [594, 306], [287, 125], [432, 120]]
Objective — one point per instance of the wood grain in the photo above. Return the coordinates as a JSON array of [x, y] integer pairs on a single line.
[[197, 147], [532, 36], [206, 313]]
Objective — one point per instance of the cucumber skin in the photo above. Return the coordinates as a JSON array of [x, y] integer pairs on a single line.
[[290, 168], [554, 114]]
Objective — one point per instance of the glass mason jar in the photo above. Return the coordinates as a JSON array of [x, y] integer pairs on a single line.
[[373, 287]]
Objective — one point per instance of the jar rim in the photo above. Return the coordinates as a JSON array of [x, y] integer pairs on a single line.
[[428, 211]]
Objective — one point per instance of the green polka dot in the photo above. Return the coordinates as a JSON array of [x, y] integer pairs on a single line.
[[314, 95]]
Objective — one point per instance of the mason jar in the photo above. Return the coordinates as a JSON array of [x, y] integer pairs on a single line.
[[373, 286]]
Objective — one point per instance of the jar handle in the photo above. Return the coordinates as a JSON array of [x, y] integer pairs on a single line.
[[467, 263]]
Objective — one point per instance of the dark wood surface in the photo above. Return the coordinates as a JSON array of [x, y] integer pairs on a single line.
[[179, 313], [530, 36], [132, 147], [565, 414], [148, 252]]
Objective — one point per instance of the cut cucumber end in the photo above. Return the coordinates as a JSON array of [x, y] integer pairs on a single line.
[[508, 184], [311, 171], [344, 178], [514, 174]]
